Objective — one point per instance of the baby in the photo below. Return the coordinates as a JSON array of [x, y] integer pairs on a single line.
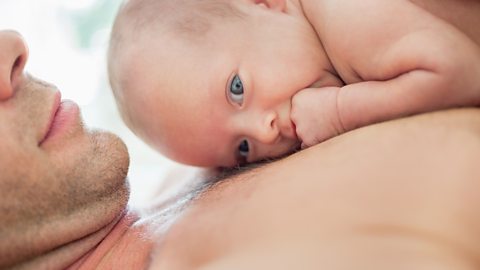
[[218, 83]]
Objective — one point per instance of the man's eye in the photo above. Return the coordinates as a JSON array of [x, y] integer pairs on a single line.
[[236, 90], [243, 149]]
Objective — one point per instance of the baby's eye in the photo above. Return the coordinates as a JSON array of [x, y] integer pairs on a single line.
[[236, 90], [243, 150]]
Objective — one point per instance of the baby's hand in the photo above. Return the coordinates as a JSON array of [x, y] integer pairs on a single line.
[[315, 114]]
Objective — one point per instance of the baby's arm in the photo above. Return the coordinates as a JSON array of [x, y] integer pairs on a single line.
[[426, 74], [405, 61]]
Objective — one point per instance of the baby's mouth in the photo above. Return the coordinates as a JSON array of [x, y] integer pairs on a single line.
[[294, 128], [297, 147], [289, 130]]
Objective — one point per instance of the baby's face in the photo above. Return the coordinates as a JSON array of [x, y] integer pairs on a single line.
[[227, 100]]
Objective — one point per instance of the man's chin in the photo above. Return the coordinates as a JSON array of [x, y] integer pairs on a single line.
[[102, 193]]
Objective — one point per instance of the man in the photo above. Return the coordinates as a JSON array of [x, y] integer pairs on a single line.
[[60, 184], [399, 195]]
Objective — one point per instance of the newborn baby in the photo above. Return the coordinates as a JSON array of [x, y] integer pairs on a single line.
[[218, 83]]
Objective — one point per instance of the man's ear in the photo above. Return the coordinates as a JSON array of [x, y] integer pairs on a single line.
[[278, 5]]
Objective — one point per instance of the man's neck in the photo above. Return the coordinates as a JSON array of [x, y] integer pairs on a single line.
[[109, 236], [70, 253]]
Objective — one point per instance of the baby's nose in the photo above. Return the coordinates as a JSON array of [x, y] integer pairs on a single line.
[[266, 130]]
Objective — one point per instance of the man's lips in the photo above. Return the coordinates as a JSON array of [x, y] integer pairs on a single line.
[[57, 96], [62, 116]]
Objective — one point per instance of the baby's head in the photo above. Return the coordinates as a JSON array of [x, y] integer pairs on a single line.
[[210, 82]]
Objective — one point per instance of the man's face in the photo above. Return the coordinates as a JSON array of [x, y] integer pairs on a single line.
[[54, 173], [227, 97]]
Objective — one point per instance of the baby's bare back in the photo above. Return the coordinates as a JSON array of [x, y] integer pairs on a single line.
[[463, 14]]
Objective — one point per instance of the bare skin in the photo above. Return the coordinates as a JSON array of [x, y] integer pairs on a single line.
[[428, 58], [398, 204]]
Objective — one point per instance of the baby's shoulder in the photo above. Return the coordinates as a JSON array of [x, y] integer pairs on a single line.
[[368, 40]]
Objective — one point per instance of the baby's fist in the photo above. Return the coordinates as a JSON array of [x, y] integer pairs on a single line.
[[315, 114]]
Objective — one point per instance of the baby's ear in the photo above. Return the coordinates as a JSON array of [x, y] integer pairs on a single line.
[[278, 5]]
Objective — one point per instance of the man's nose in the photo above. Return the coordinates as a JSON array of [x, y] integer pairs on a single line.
[[265, 129], [13, 57]]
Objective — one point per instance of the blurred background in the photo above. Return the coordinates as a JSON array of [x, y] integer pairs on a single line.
[[68, 43]]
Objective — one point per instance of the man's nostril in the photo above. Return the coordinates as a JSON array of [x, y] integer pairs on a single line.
[[16, 66], [18, 62], [17, 69]]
